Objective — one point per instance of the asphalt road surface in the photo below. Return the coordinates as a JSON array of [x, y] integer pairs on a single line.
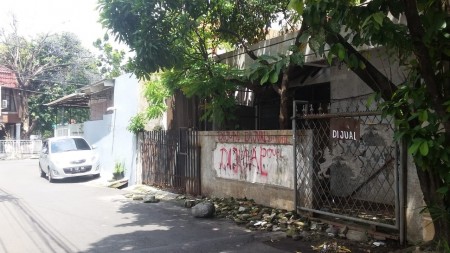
[[82, 216]]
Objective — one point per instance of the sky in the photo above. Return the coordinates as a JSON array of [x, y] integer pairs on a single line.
[[52, 16]]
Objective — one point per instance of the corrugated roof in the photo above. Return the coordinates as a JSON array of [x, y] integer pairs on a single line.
[[7, 78], [79, 100]]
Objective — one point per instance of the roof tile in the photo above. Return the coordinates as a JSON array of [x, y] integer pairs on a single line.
[[7, 78]]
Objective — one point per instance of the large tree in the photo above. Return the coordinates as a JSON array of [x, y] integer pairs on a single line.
[[182, 37], [40, 63]]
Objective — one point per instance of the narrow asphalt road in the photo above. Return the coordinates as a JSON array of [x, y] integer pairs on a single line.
[[80, 216]]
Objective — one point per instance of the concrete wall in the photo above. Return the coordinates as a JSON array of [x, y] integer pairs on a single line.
[[114, 142], [253, 164], [98, 134]]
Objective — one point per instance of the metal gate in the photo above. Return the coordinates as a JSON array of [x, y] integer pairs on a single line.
[[346, 163], [171, 159]]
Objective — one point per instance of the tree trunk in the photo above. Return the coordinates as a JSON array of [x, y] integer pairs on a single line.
[[437, 206], [26, 134], [24, 115], [430, 180], [376, 80], [283, 117]]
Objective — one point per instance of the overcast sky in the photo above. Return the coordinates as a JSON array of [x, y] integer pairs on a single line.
[[43, 16]]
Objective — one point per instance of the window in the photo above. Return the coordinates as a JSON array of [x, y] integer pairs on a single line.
[[8, 95], [69, 144]]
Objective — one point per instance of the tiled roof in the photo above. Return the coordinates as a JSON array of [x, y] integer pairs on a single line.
[[7, 78]]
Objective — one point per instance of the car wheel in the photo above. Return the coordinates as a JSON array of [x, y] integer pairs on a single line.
[[41, 171], [49, 176]]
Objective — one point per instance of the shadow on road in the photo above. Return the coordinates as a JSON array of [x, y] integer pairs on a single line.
[[168, 227]]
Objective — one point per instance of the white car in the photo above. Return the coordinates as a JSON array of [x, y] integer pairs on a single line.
[[69, 156]]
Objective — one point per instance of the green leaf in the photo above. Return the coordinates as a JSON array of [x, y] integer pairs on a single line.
[[296, 5], [414, 147], [274, 76], [423, 116], [443, 190], [330, 57], [265, 78], [341, 53], [303, 38], [378, 17], [362, 65], [371, 99], [424, 148]]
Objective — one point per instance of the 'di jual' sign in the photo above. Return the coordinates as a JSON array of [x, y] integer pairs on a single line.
[[344, 129]]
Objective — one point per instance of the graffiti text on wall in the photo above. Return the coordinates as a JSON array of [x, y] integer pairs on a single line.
[[238, 159], [254, 136]]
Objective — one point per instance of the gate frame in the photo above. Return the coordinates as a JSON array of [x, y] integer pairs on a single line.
[[400, 167], [186, 159]]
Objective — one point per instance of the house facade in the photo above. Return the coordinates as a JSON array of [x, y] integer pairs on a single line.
[[111, 103], [10, 106], [338, 161], [330, 102]]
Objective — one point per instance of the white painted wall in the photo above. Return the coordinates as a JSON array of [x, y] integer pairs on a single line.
[[113, 141], [124, 147], [239, 164], [255, 163]]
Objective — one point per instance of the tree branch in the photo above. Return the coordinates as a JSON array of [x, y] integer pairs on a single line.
[[425, 63], [249, 52], [376, 80]]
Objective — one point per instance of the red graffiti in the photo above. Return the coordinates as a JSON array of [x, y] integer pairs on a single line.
[[240, 159], [254, 136]]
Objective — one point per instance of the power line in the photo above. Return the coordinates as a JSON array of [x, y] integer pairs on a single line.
[[60, 82]]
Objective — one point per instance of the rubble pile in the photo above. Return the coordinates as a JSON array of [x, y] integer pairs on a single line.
[[246, 212], [253, 216]]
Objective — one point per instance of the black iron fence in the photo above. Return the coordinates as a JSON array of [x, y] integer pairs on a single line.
[[171, 160]]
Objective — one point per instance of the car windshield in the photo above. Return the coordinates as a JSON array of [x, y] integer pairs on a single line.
[[70, 144]]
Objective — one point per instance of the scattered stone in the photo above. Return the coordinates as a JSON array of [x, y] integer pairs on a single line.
[[189, 203], [304, 234], [355, 235], [296, 237], [299, 223], [242, 209], [333, 230], [259, 223], [138, 197], [316, 226], [291, 232], [276, 228], [343, 230], [378, 244], [150, 199], [239, 221], [203, 210]]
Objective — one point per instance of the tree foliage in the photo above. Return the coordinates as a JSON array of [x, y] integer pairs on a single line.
[[110, 60], [166, 34], [183, 37], [44, 66]]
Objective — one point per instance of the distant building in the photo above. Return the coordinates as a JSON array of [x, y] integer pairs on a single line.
[[10, 106]]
